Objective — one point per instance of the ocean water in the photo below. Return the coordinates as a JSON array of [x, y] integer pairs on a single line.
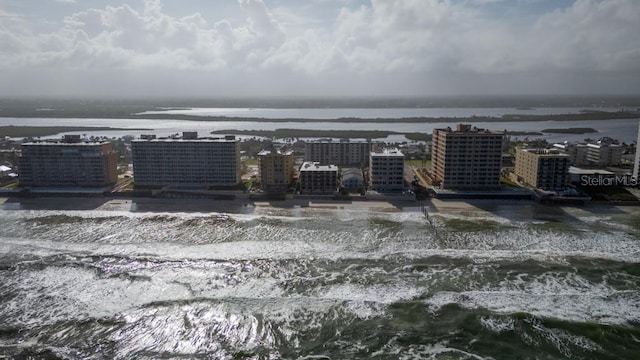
[[373, 113], [183, 281]]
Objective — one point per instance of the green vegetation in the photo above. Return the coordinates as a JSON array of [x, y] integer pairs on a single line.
[[418, 136], [11, 185], [418, 163], [508, 182], [570, 131], [596, 115], [35, 131], [284, 133], [250, 161], [131, 109], [338, 134], [470, 225]]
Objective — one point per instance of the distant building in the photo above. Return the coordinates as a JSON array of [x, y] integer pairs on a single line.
[[601, 153], [466, 158], [342, 153], [546, 169], [275, 170], [318, 179], [604, 154], [578, 175], [186, 161], [386, 170], [68, 163], [352, 178], [577, 152]]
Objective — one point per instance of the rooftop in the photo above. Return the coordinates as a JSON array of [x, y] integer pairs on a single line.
[[387, 152], [468, 129], [578, 171], [315, 166], [275, 151], [546, 152], [63, 143], [187, 137]]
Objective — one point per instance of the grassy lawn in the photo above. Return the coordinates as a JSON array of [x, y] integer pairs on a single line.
[[508, 182], [417, 163], [250, 161]]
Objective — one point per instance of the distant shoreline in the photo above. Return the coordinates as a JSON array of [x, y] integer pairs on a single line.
[[16, 131], [584, 116]]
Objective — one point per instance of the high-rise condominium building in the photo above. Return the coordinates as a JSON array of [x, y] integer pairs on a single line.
[[386, 170], [186, 161], [466, 158], [275, 169], [318, 179], [342, 153], [546, 169], [68, 163]]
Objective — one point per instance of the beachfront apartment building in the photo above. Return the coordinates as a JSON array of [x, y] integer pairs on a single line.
[[577, 152], [601, 153], [70, 162], [341, 153], [466, 158], [275, 170], [386, 170], [604, 153], [546, 169], [186, 161], [352, 178], [318, 179]]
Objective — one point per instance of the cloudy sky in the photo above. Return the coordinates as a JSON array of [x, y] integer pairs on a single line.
[[318, 47]]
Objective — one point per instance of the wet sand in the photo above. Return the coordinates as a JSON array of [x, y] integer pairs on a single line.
[[507, 208]]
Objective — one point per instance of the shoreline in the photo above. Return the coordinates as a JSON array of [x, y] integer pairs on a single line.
[[471, 207]]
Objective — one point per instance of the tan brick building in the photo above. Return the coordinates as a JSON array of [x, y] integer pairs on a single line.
[[466, 158], [275, 169], [546, 169]]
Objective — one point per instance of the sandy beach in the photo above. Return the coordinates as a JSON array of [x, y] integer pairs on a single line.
[[521, 209], [194, 205]]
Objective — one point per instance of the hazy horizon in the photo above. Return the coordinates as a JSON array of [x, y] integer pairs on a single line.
[[318, 48], [9, 105]]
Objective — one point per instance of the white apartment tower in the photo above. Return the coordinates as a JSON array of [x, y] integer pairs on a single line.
[[386, 170], [186, 161], [342, 153]]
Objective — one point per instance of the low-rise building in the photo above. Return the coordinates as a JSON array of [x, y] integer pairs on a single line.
[[584, 177], [275, 169], [546, 169], [186, 161], [318, 179], [352, 178], [67, 163], [386, 170]]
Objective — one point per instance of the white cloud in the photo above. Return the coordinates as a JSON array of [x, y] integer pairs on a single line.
[[368, 44]]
